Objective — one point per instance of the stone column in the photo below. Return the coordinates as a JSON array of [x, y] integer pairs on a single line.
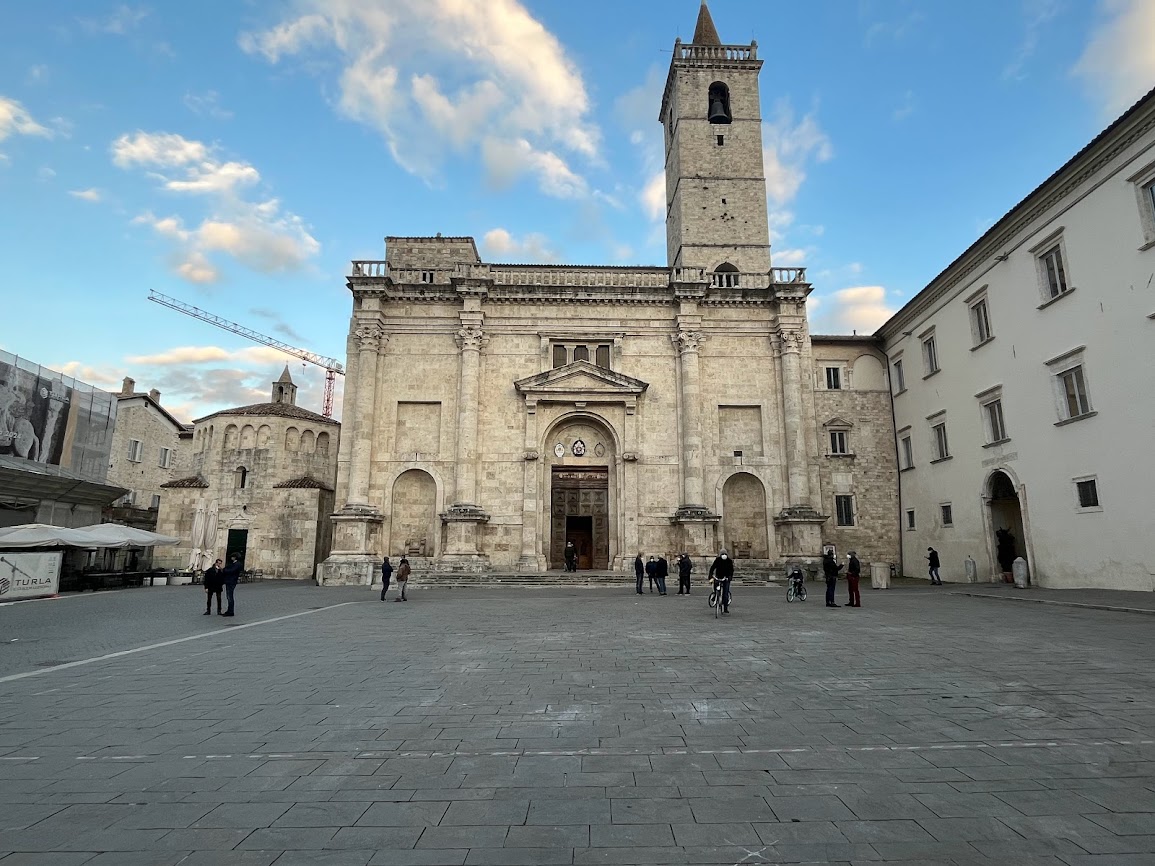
[[688, 343], [798, 476], [530, 560], [463, 518], [361, 411]]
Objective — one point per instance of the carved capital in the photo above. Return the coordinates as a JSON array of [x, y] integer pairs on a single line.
[[371, 337], [530, 456], [688, 341], [471, 338], [791, 342], [630, 457]]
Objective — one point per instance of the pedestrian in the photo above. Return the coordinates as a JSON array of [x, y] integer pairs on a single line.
[[1005, 553], [214, 584], [932, 566], [663, 571], [403, 572], [853, 572], [723, 567], [830, 568], [652, 571], [570, 555], [386, 573], [685, 566], [232, 575], [639, 571]]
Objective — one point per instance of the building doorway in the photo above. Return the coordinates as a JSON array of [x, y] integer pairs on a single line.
[[1006, 515], [579, 512], [238, 543]]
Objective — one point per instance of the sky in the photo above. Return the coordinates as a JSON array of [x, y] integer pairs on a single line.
[[238, 154]]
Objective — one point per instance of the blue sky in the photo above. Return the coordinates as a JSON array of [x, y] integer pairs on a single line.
[[237, 155]]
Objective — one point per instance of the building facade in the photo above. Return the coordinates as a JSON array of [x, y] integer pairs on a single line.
[[260, 484], [494, 412], [1021, 381], [149, 449]]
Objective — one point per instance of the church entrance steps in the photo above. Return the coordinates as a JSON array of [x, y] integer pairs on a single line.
[[559, 580]]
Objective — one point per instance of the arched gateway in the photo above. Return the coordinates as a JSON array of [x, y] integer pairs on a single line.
[[581, 465]]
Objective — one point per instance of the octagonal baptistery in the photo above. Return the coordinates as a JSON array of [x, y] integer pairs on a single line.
[[262, 486]]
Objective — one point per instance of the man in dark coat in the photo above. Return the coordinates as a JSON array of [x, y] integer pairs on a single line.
[[663, 571], [723, 568], [570, 555], [685, 566], [933, 566], [232, 575], [386, 574], [214, 584], [830, 569], [853, 572], [652, 571], [639, 571]]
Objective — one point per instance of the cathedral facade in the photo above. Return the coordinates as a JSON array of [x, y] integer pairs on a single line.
[[495, 411]]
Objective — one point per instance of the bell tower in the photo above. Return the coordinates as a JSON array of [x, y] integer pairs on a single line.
[[716, 215]]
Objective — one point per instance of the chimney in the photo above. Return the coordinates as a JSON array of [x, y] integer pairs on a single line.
[[155, 395], [127, 386]]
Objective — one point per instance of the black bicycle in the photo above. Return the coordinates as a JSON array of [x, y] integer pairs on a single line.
[[796, 589]]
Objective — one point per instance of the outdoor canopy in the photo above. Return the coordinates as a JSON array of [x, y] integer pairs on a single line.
[[97, 535]]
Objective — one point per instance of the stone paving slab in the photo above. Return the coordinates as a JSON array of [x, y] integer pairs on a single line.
[[589, 726]]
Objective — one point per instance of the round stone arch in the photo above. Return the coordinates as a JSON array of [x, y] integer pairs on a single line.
[[868, 374], [745, 527], [581, 492], [1005, 511], [414, 501]]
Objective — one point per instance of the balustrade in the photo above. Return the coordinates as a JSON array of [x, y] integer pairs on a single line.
[[717, 52]]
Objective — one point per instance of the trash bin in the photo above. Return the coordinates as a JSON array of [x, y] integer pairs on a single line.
[[1022, 576], [880, 575], [972, 570]]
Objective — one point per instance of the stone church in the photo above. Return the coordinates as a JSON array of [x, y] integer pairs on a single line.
[[495, 411]]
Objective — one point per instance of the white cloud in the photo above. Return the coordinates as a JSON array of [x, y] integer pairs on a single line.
[[789, 148], [256, 233], [654, 197], [185, 355], [501, 78], [15, 119], [1038, 13], [499, 244], [92, 194], [100, 377], [1118, 65], [859, 308], [119, 22], [206, 104]]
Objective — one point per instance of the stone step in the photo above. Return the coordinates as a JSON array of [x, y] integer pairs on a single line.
[[555, 580]]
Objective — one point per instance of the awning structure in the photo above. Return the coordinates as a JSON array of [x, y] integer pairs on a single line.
[[28, 480], [97, 535]]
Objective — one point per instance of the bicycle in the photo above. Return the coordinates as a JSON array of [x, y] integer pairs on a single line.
[[718, 588], [797, 587]]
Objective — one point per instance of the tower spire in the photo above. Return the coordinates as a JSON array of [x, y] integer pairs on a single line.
[[706, 33]]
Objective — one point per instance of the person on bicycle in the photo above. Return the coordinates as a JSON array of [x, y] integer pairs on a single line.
[[722, 570]]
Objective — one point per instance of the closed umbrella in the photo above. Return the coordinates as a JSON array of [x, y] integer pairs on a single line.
[[210, 534], [198, 538]]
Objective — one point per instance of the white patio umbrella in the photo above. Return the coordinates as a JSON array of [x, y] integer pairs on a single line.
[[210, 535], [198, 538], [118, 535]]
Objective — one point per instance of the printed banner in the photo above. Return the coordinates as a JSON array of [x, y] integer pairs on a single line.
[[29, 575]]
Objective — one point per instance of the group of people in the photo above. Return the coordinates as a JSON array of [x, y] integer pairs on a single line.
[[657, 569], [830, 569], [403, 572], [221, 577]]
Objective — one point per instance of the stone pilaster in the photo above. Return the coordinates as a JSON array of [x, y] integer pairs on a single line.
[[696, 520]]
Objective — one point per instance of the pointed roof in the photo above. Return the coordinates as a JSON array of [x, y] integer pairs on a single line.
[[706, 33], [285, 377]]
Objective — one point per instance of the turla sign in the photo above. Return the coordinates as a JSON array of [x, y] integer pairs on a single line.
[[29, 575]]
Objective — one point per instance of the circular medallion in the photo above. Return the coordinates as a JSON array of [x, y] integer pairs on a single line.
[[579, 448], [600, 450], [559, 450]]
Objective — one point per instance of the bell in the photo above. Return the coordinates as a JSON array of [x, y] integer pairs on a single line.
[[718, 112]]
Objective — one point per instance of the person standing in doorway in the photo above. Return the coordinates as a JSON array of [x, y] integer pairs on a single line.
[[386, 573], [663, 571], [214, 584], [639, 572], [830, 569], [685, 566], [652, 571], [232, 576], [853, 573], [570, 555], [933, 566], [403, 572]]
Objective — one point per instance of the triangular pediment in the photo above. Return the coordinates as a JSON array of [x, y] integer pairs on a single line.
[[838, 423], [581, 378]]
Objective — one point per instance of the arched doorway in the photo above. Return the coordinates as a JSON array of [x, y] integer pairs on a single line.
[[414, 510], [1008, 537], [744, 526], [580, 479]]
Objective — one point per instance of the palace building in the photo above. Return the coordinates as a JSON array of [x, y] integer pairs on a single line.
[[494, 411]]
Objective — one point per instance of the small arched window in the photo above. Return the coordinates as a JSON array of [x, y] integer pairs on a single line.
[[725, 276], [241, 478], [718, 110]]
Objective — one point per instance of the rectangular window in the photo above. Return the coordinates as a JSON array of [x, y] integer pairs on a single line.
[[980, 322], [844, 508], [603, 357], [427, 276], [1149, 195], [833, 379], [581, 353], [947, 514], [1054, 272], [135, 450], [930, 355], [1074, 390], [910, 518], [899, 378], [1088, 492], [838, 443], [155, 504], [941, 447], [907, 453], [996, 429], [165, 458]]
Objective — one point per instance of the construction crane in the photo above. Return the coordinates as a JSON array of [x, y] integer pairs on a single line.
[[331, 366]]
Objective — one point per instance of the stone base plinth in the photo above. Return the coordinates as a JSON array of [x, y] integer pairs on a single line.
[[349, 570], [799, 531], [532, 564], [698, 527], [463, 522]]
